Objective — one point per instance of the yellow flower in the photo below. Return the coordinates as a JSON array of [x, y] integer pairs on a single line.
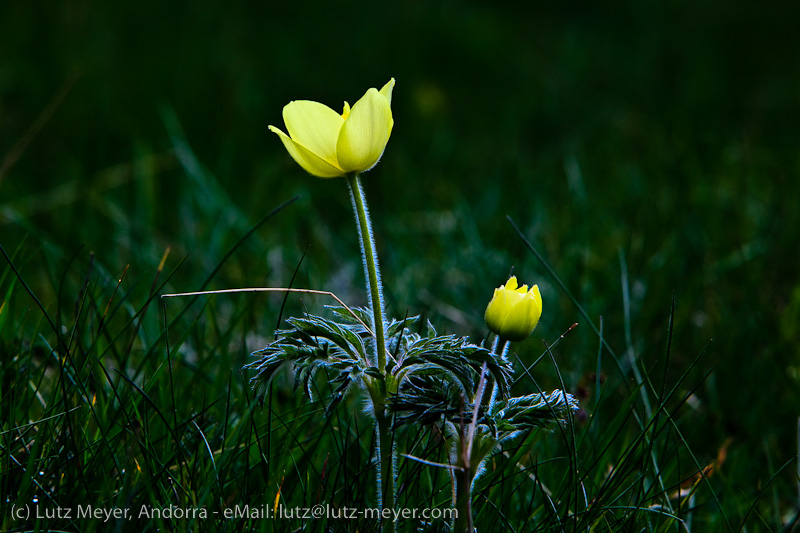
[[514, 312], [327, 144]]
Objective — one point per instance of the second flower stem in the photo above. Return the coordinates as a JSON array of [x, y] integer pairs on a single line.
[[371, 268], [500, 347]]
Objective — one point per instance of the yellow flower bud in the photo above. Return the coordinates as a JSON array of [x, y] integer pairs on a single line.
[[514, 311], [328, 144]]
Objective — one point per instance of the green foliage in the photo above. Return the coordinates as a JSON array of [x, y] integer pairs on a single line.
[[341, 349], [520, 413], [647, 150]]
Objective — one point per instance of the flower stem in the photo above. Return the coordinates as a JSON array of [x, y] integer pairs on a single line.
[[466, 475], [500, 347], [463, 522], [385, 477], [469, 464], [371, 270], [386, 466]]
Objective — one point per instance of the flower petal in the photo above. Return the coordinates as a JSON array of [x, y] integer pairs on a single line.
[[537, 295], [315, 126], [500, 308], [513, 312], [517, 324], [386, 91], [496, 310], [525, 316], [307, 159], [365, 133]]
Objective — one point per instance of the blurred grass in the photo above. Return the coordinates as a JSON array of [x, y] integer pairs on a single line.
[[656, 139]]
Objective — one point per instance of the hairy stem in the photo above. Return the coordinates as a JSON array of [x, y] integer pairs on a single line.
[[469, 467], [386, 470], [500, 347], [385, 476], [469, 464], [371, 270], [463, 520]]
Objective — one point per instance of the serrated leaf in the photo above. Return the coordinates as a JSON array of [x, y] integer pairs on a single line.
[[364, 315], [374, 372], [541, 410]]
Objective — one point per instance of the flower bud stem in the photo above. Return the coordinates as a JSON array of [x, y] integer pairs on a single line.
[[500, 347]]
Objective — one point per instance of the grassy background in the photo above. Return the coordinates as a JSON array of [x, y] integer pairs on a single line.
[[640, 146]]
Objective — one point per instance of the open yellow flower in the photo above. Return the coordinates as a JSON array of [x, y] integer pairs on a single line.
[[327, 144], [514, 311]]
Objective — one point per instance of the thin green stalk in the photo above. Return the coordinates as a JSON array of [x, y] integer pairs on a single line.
[[385, 478], [386, 471], [463, 522], [500, 347], [371, 270], [469, 467]]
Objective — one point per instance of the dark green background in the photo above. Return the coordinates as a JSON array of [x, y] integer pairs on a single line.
[[664, 133]]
